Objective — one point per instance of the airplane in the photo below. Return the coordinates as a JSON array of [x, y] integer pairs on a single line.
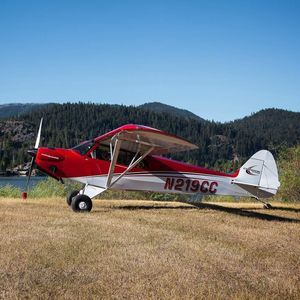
[[130, 158]]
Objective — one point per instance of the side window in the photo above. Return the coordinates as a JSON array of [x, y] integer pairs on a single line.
[[102, 152], [125, 157]]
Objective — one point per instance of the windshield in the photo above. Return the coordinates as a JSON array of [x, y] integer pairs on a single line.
[[84, 147]]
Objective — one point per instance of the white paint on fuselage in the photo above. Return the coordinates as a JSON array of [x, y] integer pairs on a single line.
[[156, 182]]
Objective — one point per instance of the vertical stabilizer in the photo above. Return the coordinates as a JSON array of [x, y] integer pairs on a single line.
[[259, 175]]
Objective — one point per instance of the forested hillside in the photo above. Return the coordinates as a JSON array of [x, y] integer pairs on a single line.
[[16, 109], [161, 107], [222, 146]]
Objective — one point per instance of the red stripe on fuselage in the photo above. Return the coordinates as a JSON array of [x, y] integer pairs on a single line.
[[72, 164]]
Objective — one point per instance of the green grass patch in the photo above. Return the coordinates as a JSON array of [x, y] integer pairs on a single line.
[[9, 191]]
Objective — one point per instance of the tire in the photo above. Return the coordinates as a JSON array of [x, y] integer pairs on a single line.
[[70, 196], [81, 203], [268, 206]]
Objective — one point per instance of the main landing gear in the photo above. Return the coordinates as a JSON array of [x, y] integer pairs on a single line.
[[70, 197], [79, 202]]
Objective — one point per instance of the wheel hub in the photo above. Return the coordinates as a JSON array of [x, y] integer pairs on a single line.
[[82, 205]]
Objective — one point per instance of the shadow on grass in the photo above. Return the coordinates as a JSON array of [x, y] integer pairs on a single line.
[[291, 209], [151, 207], [247, 213], [236, 211]]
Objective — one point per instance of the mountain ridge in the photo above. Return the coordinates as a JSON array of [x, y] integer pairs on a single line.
[[220, 145], [14, 110], [162, 107], [9, 110]]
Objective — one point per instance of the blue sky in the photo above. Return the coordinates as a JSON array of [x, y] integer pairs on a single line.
[[219, 59]]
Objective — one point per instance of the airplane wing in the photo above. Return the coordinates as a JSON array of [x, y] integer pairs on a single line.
[[141, 140], [137, 138]]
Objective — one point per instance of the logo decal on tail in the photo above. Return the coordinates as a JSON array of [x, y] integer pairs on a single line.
[[250, 171]]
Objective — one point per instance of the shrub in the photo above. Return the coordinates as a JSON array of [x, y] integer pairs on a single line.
[[52, 188], [289, 171]]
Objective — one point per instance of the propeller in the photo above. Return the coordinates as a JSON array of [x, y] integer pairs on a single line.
[[33, 153]]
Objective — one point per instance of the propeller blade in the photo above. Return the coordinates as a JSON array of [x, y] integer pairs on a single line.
[[29, 174], [33, 153], [38, 138]]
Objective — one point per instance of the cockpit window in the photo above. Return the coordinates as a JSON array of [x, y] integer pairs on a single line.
[[101, 152], [84, 147]]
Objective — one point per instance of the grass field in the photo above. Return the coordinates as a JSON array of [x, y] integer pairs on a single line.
[[141, 249]]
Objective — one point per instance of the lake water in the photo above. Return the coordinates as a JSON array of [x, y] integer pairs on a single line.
[[20, 181]]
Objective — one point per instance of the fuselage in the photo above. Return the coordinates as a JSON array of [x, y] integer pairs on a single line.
[[154, 173]]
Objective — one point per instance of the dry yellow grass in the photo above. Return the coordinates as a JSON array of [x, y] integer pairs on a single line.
[[139, 249]]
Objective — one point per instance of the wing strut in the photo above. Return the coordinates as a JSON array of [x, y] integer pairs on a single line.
[[114, 152]]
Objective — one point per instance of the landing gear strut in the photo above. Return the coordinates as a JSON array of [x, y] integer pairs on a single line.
[[266, 204]]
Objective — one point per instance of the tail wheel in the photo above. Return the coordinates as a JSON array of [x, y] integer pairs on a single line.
[[81, 203], [70, 196], [267, 206]]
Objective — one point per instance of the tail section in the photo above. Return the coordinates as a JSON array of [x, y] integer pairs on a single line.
[[259, 175]]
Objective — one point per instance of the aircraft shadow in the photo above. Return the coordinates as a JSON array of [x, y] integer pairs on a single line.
[[290, 209], [248, 213], [151, 207]]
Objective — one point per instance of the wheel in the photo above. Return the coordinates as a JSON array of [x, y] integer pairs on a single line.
[[81, 203], [267, 205], [70, 196]]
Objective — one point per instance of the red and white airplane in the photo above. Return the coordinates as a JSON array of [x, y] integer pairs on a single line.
[[129, 158]]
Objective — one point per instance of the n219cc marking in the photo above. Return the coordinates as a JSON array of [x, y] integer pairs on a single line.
[[191, 185]]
